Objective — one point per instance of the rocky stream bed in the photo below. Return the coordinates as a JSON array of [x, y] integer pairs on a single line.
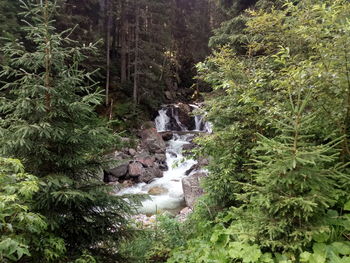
[[161, 166]]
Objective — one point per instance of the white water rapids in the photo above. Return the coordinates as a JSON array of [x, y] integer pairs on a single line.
[[172, 196]]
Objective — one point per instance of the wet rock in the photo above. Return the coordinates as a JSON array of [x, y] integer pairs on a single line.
[[189, 147], [136, 169], [184, 115], [172, 154], [163, 166], [191, 188], [127, 183], [152, 141], [149, 174], [167, 136], [157, 190], [193, 168]]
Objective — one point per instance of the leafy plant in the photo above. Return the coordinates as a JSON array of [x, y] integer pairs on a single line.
[[23, 233]]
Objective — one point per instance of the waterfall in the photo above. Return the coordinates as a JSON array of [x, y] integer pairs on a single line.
[[168, 120], [162, 120], [170, 194]]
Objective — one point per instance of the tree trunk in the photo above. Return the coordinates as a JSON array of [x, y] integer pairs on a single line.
[[108, 40], [136, 70], [123, 53]]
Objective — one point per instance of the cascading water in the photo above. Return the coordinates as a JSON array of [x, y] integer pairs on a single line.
[[169, 193], [168, 120], [162, 120], [170, 186]]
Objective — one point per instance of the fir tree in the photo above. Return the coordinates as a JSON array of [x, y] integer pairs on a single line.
[[293, 186], [49, 104], [48, 121]]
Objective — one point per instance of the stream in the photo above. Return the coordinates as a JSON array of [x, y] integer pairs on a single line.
[[166, 193]]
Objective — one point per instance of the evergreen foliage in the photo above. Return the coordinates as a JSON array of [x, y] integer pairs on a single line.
[[49, 104], [292, 185], [278, 174], [278, 184], [48, 121]]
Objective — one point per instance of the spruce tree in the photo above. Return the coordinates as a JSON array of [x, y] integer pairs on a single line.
[[294, 184], [47, 103], [47, 120]]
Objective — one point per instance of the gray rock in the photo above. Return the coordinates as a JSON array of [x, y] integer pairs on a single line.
[[191, 188], [184, 114], [202, 161], [119, 171], [136, 169], [149, 174], [188, 147], [152, 141], [132, 152], [146, 159], [160, 157], [148, 125], [193, 168]]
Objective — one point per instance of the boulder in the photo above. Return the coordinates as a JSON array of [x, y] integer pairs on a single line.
[[114, 174], [152, 141], [191, 188], [145, 159], [172, 154], [184, 114], [161, 161], [116, 156], [157, 190], [167, 136], [149, 174], [136, 169], [188, 146], [193, 168], [127, 183]]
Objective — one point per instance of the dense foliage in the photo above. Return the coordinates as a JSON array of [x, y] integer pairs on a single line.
[[278, 184], [48, 120], [23, 232], [278, 176]]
